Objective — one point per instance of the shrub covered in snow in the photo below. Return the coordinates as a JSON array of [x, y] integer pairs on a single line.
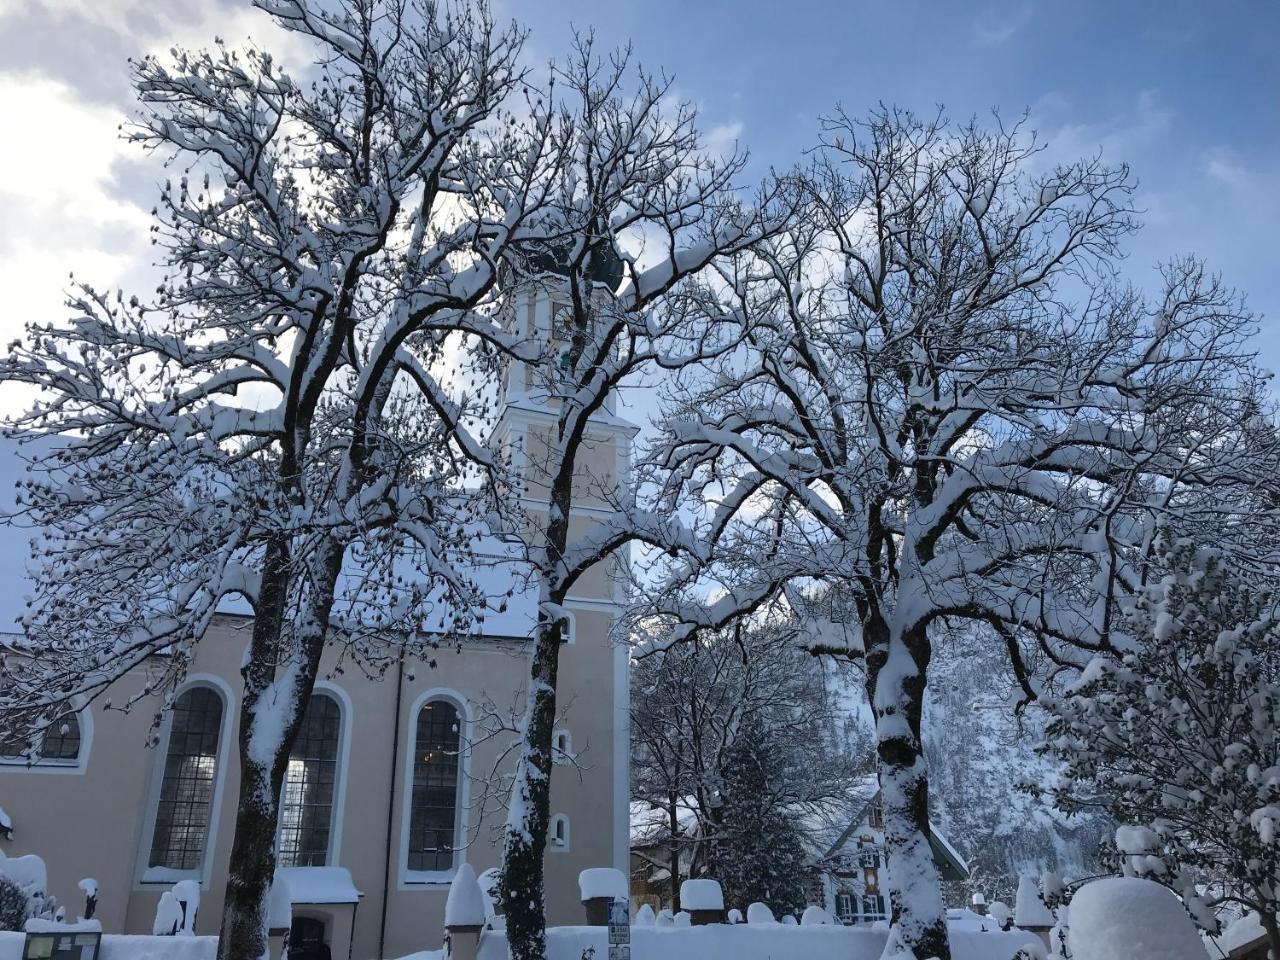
[[13, 905], [1179, 738]]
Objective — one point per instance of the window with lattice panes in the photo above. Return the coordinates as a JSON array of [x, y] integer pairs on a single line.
[[186, 790], [310, 782], [433, 803]]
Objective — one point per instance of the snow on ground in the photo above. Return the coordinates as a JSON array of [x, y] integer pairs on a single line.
[[744, 942], [130, 947], [1126, 918]]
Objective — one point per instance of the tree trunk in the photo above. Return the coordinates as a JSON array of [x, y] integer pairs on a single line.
[[523, 886], [243, 935], [896, 667], [674, 812]]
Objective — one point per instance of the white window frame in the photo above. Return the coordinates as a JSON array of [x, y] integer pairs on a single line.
[[338, 810], [147, 877], [53, 765], [562, 756], [420, 879], [554, 844]]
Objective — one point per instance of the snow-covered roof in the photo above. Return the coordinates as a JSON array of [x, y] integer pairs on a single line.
[[319, 884], [1244, 932], [948, 858], [495, 568], [652, 825]]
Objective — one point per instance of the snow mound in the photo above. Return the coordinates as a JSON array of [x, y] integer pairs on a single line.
[[759, 913], [701, 894], [465, 906], [168, 915], [1127, 918], [644, 917], [597, 882], [735, 916], [682, 919], [814, 916], [1029, 910]]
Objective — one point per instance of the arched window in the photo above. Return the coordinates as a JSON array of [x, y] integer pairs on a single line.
[[306, 805], [62, 739], [433, 803], [186, 790], [558, 833], [59, 743], [561, 746]]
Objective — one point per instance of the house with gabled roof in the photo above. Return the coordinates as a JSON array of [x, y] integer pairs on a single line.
[[850, 877]]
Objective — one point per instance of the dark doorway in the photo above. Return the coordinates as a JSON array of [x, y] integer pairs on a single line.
[[306, 940]]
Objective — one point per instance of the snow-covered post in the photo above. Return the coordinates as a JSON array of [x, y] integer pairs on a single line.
[[279, 917], [598, 887], [1030, 912], [464, 915], [89, 887], [704, 900]]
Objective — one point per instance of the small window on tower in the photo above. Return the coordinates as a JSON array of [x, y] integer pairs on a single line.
[[561, 747], [559, 829]]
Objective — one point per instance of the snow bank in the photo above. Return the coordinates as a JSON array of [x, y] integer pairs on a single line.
[[1127, 918], [701, 894], [645, 916], [465, 906], [745, 942], [602, 882], [115, 947], [760, 914]]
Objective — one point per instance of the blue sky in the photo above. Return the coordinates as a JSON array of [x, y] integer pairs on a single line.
[[1187, 93]]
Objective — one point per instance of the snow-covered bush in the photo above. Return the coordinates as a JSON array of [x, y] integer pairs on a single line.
[[1178, 739], [13, 905]]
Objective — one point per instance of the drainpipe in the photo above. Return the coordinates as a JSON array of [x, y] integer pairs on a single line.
[[391, 802]]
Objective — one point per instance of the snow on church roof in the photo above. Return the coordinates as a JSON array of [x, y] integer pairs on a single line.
[[496, 570]]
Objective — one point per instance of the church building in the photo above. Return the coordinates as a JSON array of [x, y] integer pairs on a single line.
[[382, 799]]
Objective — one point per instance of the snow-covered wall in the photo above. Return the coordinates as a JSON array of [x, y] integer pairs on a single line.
[[745, 942]]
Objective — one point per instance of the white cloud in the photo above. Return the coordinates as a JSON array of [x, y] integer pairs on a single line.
[[721, 140], [58, 192]]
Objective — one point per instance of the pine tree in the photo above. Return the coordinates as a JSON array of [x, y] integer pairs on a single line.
[[759, 853]]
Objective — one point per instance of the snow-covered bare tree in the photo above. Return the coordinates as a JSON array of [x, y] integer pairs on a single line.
[[689, 705], [278, 421], [946, 406], [1179, 737], [636, 176]]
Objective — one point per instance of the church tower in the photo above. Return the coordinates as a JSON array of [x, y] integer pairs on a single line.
[[593, 738]]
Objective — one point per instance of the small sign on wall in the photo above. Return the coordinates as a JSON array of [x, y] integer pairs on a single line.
[[62, 946]]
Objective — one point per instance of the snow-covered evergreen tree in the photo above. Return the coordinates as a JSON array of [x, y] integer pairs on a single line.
[[760, 851], [1177, 739], [693, 705]]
